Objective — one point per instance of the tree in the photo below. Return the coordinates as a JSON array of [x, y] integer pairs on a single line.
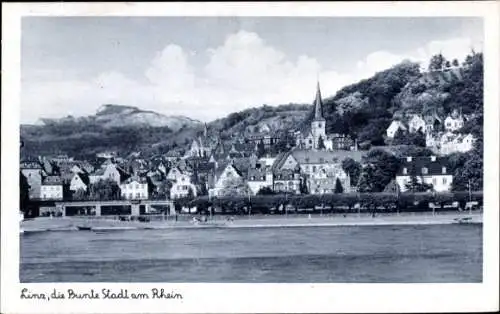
[[436, 62], [471, 171], [303, 186], [338, 186], [265, 191], [321, 143], [416, 185], [353, 169], [104, 190], [392, 187], [448, 64], [235, 186], [455, 63], [80, 195], [24, 195], [261, 149], [399, 137], [379, 169]]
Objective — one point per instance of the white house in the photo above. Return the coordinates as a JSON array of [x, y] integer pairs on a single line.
[[448, 143], [259, 178], [34, 173], [457, 143], [454, 121], [325, 180], [431, 170], [51, 188], [175, 173], [394, 127], [79, 181], [135, 188], [182, 187], [416, 124], [109, 171], [223, 175]]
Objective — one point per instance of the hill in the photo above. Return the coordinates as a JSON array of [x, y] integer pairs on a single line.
[[113, 127]]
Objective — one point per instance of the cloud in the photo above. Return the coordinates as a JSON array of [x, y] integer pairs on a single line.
[[244, 71]]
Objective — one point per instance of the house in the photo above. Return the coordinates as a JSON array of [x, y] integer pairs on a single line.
[[454, 122], [225, 174], [431, 170], [183, 187], [433, 123], [310, 162], [449, 143], [325, 180], [109, 171], [287, 180], [394, 127], [456, 143], [416, 124], [173, 155], [340, 142], [52, 188], [175, 173], [34, 173], [79, 181], [135, 188], [259, 178]]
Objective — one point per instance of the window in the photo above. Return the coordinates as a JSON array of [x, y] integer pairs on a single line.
[[138, 195], [310, 141], [253, 178], [408, 159], [434, 181], [405, 171], [314, 168], [433, 158], [425, 170], [444, 170]]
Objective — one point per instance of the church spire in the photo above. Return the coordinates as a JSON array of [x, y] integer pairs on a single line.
[[318, 105]]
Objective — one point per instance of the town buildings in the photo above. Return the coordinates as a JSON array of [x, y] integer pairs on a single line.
[[235, 167]]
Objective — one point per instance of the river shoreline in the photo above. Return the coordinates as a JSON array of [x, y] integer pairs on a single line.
[[73, 223]]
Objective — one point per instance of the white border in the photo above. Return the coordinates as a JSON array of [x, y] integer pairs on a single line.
[[253, 297]]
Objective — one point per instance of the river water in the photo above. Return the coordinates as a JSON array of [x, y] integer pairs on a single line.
[[368, 254]]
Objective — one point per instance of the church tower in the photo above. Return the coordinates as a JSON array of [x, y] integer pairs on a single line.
[[318, 124]]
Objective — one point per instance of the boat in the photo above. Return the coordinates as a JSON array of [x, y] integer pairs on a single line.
[[463, 220], [84, 228]]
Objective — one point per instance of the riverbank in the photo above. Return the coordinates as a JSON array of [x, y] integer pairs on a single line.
[[73, 223]]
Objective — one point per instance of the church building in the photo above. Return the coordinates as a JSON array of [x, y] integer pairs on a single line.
[[316, 138]]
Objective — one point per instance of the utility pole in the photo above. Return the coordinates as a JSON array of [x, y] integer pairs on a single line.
[[470, 198]]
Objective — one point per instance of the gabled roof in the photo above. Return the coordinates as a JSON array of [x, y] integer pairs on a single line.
[[284, 174], [30, 164], [138, 179], [52, 180], [83, 177], [254, 174], [415, 165]]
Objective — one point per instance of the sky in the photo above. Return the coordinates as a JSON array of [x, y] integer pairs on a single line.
[[208, 67]]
